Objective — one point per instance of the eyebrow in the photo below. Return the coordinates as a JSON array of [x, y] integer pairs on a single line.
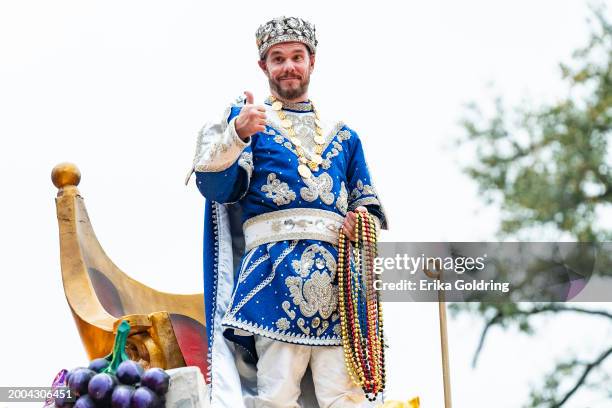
[[296, 51]]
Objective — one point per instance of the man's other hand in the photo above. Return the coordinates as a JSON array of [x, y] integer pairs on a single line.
[[350, 221]]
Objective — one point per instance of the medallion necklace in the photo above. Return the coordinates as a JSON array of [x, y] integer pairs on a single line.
[[306, 166]]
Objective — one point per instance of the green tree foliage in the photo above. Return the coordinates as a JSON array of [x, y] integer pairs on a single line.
[[550, 168], [552, 165]]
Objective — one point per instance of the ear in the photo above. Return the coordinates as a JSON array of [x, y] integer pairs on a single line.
[[312, 61], [263, 66]]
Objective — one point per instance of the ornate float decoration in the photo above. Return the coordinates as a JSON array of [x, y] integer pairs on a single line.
[[166, 330]]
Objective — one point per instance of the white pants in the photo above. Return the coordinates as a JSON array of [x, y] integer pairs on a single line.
[[281, 366]]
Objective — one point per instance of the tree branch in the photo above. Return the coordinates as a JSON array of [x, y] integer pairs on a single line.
[[559, 308], [554, 308], [488, 325], [582, 379]]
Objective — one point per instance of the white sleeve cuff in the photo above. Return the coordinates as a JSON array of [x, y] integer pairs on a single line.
[[219, 146]]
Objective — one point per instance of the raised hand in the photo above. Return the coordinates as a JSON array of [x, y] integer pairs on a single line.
[[252, 118]]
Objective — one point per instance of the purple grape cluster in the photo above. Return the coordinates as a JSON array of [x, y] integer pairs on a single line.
[[129, 387]]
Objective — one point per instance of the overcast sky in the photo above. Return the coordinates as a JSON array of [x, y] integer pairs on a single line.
[[121, 88]]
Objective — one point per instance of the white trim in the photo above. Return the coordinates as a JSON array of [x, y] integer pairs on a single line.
[[279, 335], [219, 146], [226, 388]]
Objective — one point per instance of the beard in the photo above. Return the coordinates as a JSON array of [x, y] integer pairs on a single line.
[[292, 93]]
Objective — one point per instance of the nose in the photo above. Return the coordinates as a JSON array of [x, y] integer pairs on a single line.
[[289, 67]]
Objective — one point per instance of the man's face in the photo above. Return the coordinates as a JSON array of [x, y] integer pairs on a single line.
[[288, 67]]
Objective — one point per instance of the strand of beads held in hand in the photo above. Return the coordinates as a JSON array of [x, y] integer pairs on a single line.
[[360, 309]]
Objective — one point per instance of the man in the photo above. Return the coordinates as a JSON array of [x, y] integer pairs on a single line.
[[279, 184]]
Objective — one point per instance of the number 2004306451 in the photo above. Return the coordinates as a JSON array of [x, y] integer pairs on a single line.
[[35, 394]]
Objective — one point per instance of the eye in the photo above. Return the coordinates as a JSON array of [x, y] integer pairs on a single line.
[[298, 58], [278, 60]]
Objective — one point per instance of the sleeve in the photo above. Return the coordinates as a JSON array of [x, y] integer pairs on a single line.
[[360, 187], [223, 162]]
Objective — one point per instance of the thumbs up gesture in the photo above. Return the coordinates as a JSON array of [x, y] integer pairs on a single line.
[[252, 118]]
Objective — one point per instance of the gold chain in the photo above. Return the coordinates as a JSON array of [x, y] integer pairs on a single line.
[[306, 166]]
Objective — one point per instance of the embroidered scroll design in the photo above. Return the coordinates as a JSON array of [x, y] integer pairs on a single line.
[[337, 148], [344, 135], [361, 189], [278, 191], [316, 187], [316, 294], [323, 327], [304, 266], [246, 162], [282, 324], [287, 308], [301, 324]]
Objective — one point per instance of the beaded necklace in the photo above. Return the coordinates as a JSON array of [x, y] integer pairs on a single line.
[[361, 317]]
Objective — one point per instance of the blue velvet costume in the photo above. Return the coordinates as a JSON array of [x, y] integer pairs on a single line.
[[283, 282]]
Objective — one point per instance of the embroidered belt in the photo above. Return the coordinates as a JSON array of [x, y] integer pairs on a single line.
[[293, 223]]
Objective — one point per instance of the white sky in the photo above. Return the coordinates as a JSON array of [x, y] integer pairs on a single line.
[[121, 88]]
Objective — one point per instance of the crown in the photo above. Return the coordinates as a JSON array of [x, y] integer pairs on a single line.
[[285, 29]]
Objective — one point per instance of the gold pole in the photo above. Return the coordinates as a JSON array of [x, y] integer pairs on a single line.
[[443, 336]]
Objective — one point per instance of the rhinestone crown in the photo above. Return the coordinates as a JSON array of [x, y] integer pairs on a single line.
[[285, 29]]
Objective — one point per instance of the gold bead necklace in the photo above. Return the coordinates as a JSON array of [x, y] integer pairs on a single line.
[[360, 308]]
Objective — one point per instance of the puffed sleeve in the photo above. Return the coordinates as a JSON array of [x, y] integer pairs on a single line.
[[223, 162], [361, 191]]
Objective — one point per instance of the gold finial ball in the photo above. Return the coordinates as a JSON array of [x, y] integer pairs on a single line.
[[66, 174]]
